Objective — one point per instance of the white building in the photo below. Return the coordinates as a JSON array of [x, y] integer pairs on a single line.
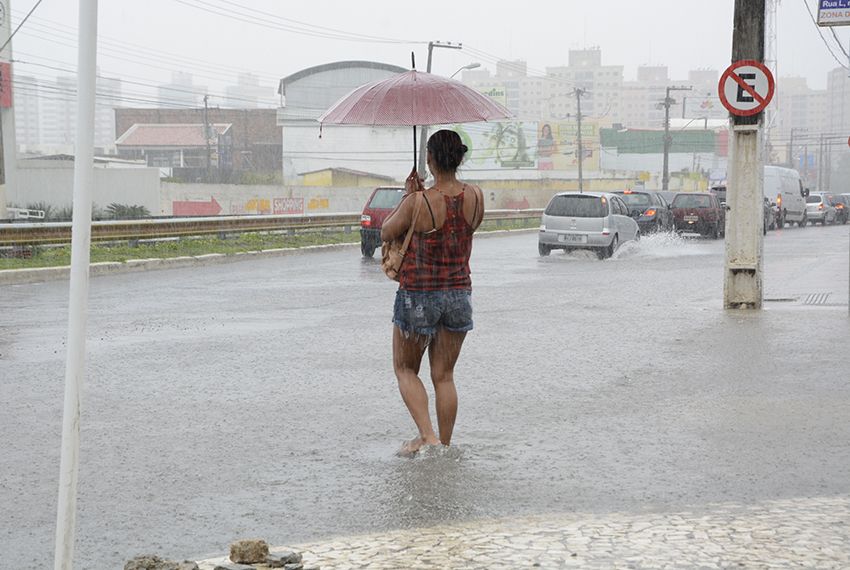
[[58, 114], [181, 92], [603, 83], [249, 93], [641, 105], [27, 105]]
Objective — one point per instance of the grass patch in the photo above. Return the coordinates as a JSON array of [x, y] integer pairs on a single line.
[[48, 256]]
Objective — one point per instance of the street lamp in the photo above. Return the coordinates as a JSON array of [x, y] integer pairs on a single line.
[[475, 65], [423, 137]]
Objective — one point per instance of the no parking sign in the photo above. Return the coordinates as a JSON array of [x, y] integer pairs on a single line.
[[746, 88]]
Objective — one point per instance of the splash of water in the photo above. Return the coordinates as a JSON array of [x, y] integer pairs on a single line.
[[662, 245]]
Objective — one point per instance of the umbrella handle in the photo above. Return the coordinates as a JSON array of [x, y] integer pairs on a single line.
[[415, 155]]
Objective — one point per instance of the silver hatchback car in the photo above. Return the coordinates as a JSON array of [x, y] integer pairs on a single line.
[[596, 221]]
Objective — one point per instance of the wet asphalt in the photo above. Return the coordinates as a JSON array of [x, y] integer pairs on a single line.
[[257, 399]]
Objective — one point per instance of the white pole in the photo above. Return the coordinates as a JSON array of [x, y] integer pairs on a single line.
[[78, 302]]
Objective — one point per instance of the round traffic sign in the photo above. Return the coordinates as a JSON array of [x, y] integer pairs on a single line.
[[746, 88]]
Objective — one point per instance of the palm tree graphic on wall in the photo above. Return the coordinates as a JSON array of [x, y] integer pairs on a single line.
[[508, 145]]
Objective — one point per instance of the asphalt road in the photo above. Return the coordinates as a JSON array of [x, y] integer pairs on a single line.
[[257, 399]]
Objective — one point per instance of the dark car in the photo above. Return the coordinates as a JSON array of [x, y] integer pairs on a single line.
[[649, 209], [699, 212], [381, 202]]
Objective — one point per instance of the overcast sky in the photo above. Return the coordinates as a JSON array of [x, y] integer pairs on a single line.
[[683, 34]]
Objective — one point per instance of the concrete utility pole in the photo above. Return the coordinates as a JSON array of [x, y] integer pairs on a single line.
[[579, 93], [743, 286], [75, 363], [8, 147], [668, 102], [423, 136]]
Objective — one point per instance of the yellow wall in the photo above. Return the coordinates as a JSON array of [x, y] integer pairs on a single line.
[[321, 178]]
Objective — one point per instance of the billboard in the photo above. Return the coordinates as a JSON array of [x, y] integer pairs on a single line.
[[545, 145], [834, 12], [557, 145], [498, 94], [498, 146]]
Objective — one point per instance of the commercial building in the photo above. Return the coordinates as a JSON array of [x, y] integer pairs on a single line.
[[305, 95]]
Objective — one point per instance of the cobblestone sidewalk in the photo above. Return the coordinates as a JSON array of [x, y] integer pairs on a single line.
[[808, 533]]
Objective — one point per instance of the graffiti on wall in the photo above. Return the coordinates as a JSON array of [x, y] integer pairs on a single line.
[[318, 204], [195, 207], [263, 206], [288, 205]]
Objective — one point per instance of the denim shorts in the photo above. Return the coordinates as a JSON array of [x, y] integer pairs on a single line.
[[421, 312]]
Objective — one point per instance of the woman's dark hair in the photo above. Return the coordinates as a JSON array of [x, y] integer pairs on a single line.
[[446, 150]]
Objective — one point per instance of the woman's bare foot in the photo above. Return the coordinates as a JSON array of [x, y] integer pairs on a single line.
[[410, 448]]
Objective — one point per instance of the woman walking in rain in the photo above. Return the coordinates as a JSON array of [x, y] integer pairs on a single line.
[[433, 307]]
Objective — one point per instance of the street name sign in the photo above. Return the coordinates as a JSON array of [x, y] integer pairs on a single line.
[[833, 12], [746, 88]]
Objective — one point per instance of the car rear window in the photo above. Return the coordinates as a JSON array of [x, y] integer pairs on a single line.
[[578, 206], [691, 201], [386, 198], [813, 199], [636, 199]]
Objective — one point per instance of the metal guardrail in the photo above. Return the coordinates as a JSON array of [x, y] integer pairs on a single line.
[[38, 233]]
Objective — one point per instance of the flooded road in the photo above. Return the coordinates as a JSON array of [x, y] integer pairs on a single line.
[[257, 399]]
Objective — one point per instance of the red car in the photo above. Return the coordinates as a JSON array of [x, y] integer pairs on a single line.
[[699, 212], [381, 202]]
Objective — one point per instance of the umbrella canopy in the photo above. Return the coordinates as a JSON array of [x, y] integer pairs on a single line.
[[413, 98]]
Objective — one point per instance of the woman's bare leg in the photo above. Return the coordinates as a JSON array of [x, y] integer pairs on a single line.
[[407, 357], [442, 355]]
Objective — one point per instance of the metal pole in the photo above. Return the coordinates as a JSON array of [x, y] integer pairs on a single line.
[[579, 93], [423, 137], [78, 302], [207, 135], [743, 287], [791, 150], [665, 172]]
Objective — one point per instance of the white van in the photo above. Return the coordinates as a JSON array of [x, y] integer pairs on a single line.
[[784, 188]]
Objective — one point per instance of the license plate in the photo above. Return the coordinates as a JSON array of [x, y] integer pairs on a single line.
[[571, 238], [692, 219]]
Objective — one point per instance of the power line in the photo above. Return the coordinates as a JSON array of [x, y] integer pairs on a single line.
[[197, 93], [365, 37], [822, 37], [45, 26], [250, 19], [838, 41], [12, 35]]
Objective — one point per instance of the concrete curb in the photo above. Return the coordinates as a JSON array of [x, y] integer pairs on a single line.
[[43, 274]]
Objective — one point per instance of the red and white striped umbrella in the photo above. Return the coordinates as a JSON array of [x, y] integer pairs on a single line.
[[413, 98]]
